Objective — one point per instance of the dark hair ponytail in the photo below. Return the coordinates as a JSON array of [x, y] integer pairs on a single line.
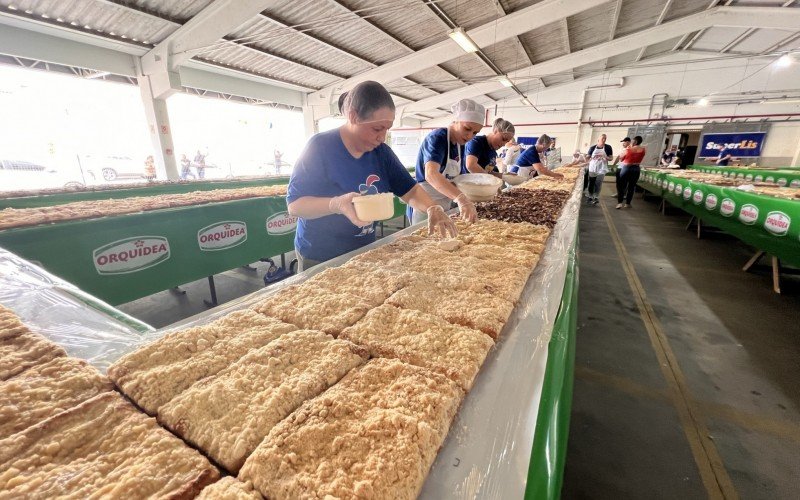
[[637, 140]]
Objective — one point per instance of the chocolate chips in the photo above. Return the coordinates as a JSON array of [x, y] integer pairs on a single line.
[[525, 205]]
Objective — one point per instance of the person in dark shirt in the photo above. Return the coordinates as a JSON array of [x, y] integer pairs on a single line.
[[481, 151], [724, 156], [668, 158], [344, 163]]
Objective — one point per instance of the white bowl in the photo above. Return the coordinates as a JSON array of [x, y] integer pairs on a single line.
[[514, 179], [478, 187], [374, 207]]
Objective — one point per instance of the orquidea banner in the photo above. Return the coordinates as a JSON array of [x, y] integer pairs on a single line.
[[764, 222], [779, 177]]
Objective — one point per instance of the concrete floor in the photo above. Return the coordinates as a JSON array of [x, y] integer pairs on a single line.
[[698, 397], [694, 391]]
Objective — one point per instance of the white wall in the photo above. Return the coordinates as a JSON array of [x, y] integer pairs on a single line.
[[672, 75]]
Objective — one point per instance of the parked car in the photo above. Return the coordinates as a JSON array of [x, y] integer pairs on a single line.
[[112, 167], [23, 175]]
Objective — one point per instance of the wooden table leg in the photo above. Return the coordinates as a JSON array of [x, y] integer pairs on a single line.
[[699, 228], [776, 274], [753, 260], [690, 222]]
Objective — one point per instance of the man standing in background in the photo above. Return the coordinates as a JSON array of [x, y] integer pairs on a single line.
[[200, 164], [278, 162], [724, 156]]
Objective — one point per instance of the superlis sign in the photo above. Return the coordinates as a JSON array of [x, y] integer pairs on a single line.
[[738, 144]]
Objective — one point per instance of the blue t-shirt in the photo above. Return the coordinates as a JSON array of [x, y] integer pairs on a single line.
[[722, 154], [487, 156], [434, 148], [528, 157], [326, 169]]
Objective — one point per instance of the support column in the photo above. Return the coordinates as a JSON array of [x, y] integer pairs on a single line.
[[796, 159], [154, 90], [155, 110], [309, 123]]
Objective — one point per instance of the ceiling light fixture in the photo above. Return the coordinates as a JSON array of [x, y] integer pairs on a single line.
[[780, 101], [463, 40], [702, 102], [506, 81], [526, 102], [99, 74], [784, 61]]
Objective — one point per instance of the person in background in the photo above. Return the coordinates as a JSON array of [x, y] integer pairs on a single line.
[[630, 160], [724, 156], [508, 155], [186, 168], [599, 156], [626, 143], [529, 164], [481, 151], [668, 158], [441, 159], [278, 155], [344, 163], [200, 164], [149, 168]]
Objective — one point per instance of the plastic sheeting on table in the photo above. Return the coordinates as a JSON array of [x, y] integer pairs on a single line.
[[83, 325], [488, 449]]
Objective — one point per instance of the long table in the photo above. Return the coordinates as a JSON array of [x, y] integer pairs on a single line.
[[767, 223], [779, 176], [140, 190], [126, 257], [509, 437]]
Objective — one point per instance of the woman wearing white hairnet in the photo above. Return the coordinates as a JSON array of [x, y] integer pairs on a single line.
[[481, 151], [441, 159]]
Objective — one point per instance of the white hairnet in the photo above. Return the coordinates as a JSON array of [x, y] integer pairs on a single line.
[[467, 110]]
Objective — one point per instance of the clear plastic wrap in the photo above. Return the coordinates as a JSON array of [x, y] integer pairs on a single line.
[[488, 449], [83, 325]]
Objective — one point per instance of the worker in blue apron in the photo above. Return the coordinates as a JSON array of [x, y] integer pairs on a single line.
[[350, 161], [481, 151], [529, 163], [441, 159]]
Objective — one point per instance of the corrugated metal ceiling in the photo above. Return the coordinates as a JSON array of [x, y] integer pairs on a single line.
[[413, 25], [514, 5], [590, 27], [315, 43], [637, 15], [545, 42]]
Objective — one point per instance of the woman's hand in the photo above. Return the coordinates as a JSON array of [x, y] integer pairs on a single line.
[[439, 223], [466, 208], [344, 205]]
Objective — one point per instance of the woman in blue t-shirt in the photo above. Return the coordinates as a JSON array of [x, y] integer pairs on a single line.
[[441, 159], [482, 149], [341, 164], [529, 164]]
